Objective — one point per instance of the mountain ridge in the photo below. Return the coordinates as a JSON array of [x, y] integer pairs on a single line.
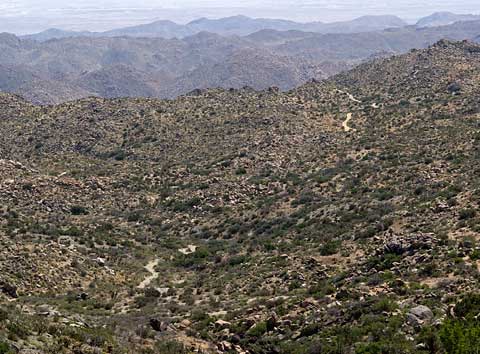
[[235, 25], [166, 68], [445, 18]]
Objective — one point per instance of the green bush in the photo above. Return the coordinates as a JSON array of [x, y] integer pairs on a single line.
[[468, 307], [258, 330], [241, 171], [170, 347], [467, 214], [3, 315], [460, 337], [475, 255], [4, 348], [331, 247], [372, 348], [78, 210], [385, 305], [195, 259]]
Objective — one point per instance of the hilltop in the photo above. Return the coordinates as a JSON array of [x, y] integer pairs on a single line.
[[340, 214]]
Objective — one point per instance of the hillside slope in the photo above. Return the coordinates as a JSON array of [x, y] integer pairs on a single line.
[[341, 214], [72, 68]]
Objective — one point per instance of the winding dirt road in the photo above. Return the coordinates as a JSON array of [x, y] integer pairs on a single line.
[[345, 126], [150, 267], [350, 96]]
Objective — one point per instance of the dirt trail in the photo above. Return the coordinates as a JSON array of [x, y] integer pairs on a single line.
[[350, 96], [345, 126], [345, 122], [150, 267]]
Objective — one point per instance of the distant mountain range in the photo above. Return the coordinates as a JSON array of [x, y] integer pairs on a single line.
[[243, 26], [445, 18], [52, 71], [236, 25]]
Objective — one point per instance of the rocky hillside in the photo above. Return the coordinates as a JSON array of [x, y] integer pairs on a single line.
[[65, 69], [339, 217]]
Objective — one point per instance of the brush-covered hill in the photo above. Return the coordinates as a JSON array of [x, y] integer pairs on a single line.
[[65, 69], [341, 216], [69, 68]]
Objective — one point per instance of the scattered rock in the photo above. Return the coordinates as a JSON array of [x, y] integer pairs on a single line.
[[272, 323], [82, 297], [8, 289], [43, 310], [158, 325], [419, 316], [422, 312], [454, 88], [222, 324]]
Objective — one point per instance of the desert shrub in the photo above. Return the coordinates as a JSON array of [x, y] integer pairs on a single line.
[[184, 205], [195, 259], [78, 210], [258, 330], [368, 232], [310, 330], [383, 194], [237, 260], [468, 307], [3, 315], [460, 337], [475, 255], [321, 289], [241, 171], [383, 262], [467, 214], [73, 231], [4, 348], [118, 155], [330, 247], [384, 305]]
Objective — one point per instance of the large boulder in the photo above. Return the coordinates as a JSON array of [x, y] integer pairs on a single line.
[[419, 316], [454, 88], [157, 325], [422, 312]]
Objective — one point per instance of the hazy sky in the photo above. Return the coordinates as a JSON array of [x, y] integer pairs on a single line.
[[24, 16]]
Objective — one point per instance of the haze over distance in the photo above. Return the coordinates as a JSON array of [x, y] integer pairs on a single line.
[[29, 16]]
